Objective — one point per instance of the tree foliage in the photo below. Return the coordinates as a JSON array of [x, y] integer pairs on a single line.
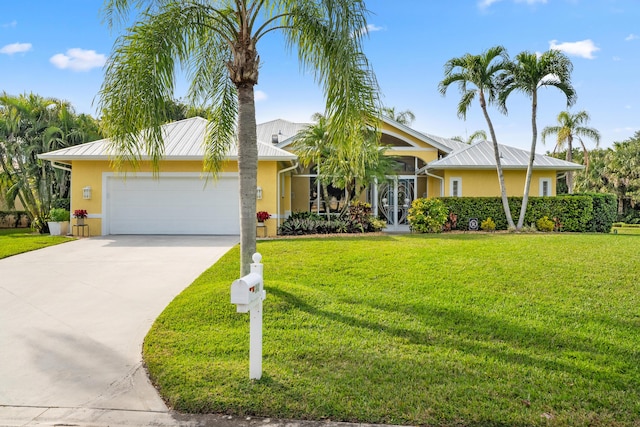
[[31, 125]]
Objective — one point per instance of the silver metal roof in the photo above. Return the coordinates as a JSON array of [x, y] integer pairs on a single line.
[[481, 156], [183, 140], [283, 130]]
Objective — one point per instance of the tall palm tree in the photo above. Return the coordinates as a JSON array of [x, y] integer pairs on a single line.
[[526, 74], [572, 126], [477, 75], [405, 117], [478, 135], [216, 44]]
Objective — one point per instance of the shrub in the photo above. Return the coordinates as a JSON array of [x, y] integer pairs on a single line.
[[378, 224], [545, 224], [427, 215], [488, 225], [59, 215]]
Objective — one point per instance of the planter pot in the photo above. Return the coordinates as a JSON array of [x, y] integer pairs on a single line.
[[260, 224], [80, 221], [58, 228]]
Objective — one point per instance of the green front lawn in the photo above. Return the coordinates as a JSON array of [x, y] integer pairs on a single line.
[[467, 329], [18, 240]]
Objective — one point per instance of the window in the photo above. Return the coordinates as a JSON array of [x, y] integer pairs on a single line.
[[455, 187], [545, 187]]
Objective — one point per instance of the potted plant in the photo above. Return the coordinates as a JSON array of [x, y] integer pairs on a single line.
[[262, 216], [59, 221], [80, 215]]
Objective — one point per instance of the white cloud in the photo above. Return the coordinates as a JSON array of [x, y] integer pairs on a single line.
[[259, 95], [11, 24], [77, 59], [10, 49], [370, 28], [483, 4], [584, 48], [631, 37]]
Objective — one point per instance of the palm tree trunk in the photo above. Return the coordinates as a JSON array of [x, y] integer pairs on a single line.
[[532, 157], [248, 171], [570, 159], [496, 152]]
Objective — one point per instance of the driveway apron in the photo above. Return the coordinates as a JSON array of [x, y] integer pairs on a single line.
[[73, 317]]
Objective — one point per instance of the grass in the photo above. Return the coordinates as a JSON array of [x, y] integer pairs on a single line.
[[18, 240], [447, 330], [626, 230]]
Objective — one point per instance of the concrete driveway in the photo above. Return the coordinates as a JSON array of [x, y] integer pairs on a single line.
[[73, 318]]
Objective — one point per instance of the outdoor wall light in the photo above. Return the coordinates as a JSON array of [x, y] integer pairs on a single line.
[[86, 193], [259, 193]]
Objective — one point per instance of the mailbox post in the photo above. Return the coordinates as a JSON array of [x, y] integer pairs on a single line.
[[248, 293]]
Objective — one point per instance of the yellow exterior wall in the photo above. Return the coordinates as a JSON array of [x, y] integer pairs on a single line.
[[484, 183], [301, 194], [89, 173]]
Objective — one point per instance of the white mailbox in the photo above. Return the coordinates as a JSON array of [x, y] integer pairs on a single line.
[[247, 294], [247, 291]]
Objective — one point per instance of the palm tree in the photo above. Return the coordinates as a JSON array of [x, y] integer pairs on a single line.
[[216, 44], [527, 74], [478, 135], [572, 126], [477, 75], [405, 117], [335, 165]]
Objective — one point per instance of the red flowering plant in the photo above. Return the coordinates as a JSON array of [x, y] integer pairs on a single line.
[[80, 213], [263, 216]]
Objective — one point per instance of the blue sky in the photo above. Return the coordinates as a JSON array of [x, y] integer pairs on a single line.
[[57, 49]]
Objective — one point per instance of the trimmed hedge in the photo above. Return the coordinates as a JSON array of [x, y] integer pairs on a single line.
[[575, 213]]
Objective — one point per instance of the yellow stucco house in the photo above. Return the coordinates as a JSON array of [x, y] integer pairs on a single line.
[[181, 199]]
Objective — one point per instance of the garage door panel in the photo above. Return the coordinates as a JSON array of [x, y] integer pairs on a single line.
[[173, 205]]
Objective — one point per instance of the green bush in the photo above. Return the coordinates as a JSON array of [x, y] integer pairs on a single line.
[[356, 219], [488, 225], [59, 215], [605, 212], [545, 224], [574, 212], [427, 215]]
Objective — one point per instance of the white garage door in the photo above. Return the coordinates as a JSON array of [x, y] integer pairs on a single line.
[[172, 204]]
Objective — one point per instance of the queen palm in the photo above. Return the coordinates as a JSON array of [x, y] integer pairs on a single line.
[[477, 75], [572, 126], [527, 73], [405, 117], [215, 42]]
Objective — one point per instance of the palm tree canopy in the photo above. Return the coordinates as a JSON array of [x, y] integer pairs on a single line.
[[475, 75], [405, 117], [215, 43], [571, 126], [530, 71], [479, 135]]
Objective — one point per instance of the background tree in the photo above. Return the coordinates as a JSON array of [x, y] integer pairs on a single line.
[[622, 171], [526, 74], [477, 75], [312, 145], [216, 44], [572, 126], [405, 117], [478, 135], [31, 125]]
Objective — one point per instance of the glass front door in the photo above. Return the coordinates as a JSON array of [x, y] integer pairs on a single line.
[[394, 200]]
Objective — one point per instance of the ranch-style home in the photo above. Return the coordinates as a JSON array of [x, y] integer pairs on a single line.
[[181, 199]]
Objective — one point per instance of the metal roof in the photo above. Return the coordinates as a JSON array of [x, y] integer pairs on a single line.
[[283, 130], [481, 156], [183, 140]]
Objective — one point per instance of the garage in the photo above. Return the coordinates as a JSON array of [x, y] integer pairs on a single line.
[[173, 203]]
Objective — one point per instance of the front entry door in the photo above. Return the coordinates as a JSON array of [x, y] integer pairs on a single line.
[[394, 200]]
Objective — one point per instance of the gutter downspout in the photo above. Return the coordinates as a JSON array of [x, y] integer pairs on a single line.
[[424, 170], [278, 190]]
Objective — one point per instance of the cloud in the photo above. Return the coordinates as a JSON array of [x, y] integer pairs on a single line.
[[584, 48], [370, 28], [617, 58], [483, 4], [259, 95], [631, 37], [78, 60], [11, 24], [10, 49]]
